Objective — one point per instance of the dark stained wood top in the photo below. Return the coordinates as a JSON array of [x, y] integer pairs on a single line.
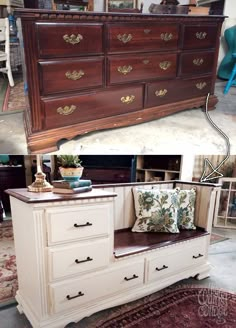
[[42, 197], [128, 243]]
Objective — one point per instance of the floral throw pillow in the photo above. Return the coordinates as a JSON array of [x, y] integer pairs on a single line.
[[186, 206], [156, 210]]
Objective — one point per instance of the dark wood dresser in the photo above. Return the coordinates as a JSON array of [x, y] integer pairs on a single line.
[[90, 71]]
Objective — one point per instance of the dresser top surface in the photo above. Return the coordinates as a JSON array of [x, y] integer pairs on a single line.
[[42, 197]]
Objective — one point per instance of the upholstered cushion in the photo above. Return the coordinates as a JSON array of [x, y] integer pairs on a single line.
[[155, 210], [186, 207]]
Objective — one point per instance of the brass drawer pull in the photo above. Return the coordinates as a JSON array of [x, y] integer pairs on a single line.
[[201, 85], [166, 36], [165, 65], [146, 61], [201, 35], [196, 257], [67, 110], [146, 31], [82, 225], [124, 69], [87, 260], [198, 61], [161, 93], [74, 75], [127, 99], [72, 39], [134, 277], [163, 268], [72, 297], [124, 38]]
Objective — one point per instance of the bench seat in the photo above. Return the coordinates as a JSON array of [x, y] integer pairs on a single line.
[[128, 243]]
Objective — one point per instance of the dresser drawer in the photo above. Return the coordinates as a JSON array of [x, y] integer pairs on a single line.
[[90, 107], [176, 259], [200, 36], [140, 37], [74, 223], [84, 290], [196, 63], [71, 74], [160, 93], [69, 39], [141, 67], [78, 257]]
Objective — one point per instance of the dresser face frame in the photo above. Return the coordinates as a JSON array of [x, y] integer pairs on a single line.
[[134, 54]]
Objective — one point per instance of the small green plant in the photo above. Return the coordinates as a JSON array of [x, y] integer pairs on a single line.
[[67, 161]]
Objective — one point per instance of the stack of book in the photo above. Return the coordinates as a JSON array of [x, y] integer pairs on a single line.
[[71, 187]]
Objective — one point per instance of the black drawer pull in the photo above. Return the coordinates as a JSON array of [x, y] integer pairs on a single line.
[[72, 297], [134, 277], [82, 225], [87, 260], [196, 257], [163, 268]]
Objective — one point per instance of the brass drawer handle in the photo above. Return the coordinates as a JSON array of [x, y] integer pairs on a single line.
[[74, 75], [72, 39], [146, 61], [67, 110], [201, 35], [146, 31], [196, 257], [88, 259], [165, 65], [124, 38], [134, 277], [163, 268], [198, 61], [201, 85], [166, 36], [72, 297], [161, 93], [124, 69], [82, 225], [127, 99]]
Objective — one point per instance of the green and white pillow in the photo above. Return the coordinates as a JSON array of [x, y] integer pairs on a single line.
[[156, 210], [186, 207]]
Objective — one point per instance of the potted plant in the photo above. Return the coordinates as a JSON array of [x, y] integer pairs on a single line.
[[70, 167]]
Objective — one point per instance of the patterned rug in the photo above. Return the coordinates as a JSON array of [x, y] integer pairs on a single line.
[[8, 274], [15, 99], [217, 238], [179, 307]]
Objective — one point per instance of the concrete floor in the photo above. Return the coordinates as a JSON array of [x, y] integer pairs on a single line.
[[222, 256], [184, 132]]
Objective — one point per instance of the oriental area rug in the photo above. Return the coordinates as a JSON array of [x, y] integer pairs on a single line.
[[8, 273], [176, 307]]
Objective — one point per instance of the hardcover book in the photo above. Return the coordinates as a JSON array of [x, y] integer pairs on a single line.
[[72, 191], [71, 184]]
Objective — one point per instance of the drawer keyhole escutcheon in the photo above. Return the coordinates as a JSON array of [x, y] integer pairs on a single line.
[[74, 75], [201, 35], [125, 38], [72, 297], [88, 259], [72, 39], [196, 257], [163, 268], [146, 61], [82, 225], [127, 99], [201, 85], [134, 277], [198, 61], [166, 36], [165, 65], [161, 93], [124, 69], [146, 31], [67, 110]]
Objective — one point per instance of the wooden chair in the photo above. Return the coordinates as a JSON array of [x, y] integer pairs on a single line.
[[5, 55]]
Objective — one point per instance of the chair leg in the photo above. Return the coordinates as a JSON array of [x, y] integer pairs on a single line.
[[231, 79], [10, 77]]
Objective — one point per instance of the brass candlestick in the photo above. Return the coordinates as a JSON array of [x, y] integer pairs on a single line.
[[40, 184]]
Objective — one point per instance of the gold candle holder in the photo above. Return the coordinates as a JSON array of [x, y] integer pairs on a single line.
[[40, 184]]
